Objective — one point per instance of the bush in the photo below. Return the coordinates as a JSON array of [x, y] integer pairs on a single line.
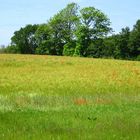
[[77, 51], [41, 50], [69, 49], [11, 49], [138, 58]]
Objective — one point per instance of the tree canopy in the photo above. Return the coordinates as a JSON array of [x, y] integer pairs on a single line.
[[77, 32]]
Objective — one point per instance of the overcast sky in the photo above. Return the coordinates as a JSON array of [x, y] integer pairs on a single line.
[[18, 13]]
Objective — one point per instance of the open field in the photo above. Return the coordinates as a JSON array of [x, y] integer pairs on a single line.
[[51, 97]]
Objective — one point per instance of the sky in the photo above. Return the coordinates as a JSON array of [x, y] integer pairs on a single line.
[[15, 14]]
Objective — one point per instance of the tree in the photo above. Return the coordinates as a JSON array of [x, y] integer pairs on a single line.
[[110, 44], [117, 46], [94, 25], [63, 26], [123, 40], [70, 32], [134, 43], [69, 18], [69, 48], [83, 41], [24, 39], [96, 49], [120, 43], [44, 40]]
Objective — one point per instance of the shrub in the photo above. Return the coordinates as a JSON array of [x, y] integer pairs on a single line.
[[138, 58], [69, 49]]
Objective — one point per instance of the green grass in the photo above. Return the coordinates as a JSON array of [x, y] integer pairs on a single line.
[[50, 97]]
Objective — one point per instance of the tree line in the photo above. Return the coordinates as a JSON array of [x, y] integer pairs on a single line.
[[77, 32]]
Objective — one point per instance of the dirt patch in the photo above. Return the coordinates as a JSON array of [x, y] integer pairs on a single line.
[[81, 101]]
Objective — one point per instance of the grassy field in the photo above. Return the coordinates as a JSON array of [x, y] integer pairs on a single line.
[[56, 98]]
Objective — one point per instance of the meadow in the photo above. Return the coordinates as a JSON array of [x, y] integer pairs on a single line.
[[56, 98]]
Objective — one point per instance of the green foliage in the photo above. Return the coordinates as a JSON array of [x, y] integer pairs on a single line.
[[134, 43], [42, 33], [77, 32], [12, 49], [24, 39], [63, 26], [78, 50], [57, 36], [122, 42], [124, 45], [65, 22], [94, 25], [96, 49], [69, 48], [109, 45], [138, 58], [96, 21], [41, 50], [44, 40], [83, 40]]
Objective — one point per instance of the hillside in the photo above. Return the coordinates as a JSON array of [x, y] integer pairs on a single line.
[[68, 98]]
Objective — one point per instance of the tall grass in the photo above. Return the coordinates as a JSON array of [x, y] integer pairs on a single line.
[[51, 97]]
